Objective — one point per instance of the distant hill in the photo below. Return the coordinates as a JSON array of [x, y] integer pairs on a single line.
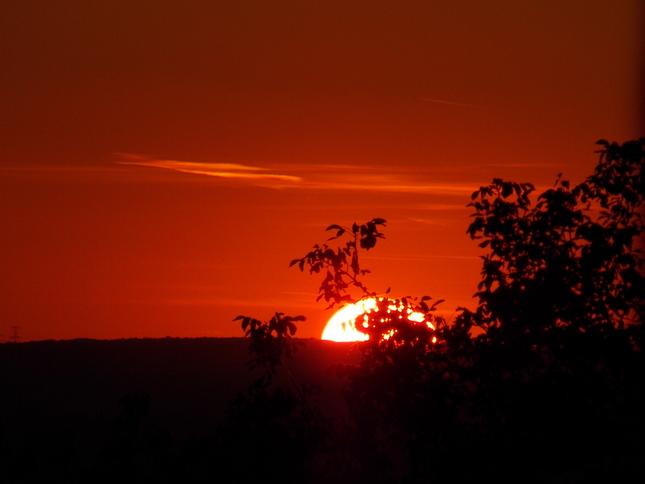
[[55, 394]]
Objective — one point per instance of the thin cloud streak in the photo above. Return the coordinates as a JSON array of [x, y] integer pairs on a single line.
[[35, 169], [441, 207], [425, 221], [220, 170], [318, 177], [439, 101], [205, 301], [519, 165], [421, 257], [440, 189]]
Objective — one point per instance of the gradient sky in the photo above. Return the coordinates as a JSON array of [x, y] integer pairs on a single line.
[[162, 162]]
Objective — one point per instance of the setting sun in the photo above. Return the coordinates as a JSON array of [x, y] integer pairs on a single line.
[[342, 325]]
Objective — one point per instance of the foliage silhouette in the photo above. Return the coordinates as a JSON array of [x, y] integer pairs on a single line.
[[570, 260], [271, 429], [343, 272], [560, 311], [271, 341], [547, 372]]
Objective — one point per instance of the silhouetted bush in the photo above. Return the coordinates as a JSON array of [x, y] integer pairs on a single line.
[[543, 381]]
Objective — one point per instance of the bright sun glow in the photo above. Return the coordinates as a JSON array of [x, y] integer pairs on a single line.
[[342, 325]]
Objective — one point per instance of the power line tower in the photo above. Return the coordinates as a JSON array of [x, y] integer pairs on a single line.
[[14, 337]]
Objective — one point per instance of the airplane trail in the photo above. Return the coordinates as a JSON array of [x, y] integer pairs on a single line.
[[439, 101]]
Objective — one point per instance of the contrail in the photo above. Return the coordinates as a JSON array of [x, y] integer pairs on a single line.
[[438, 101]]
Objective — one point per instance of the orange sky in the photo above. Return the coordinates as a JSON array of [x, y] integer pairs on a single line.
[[161, 162]]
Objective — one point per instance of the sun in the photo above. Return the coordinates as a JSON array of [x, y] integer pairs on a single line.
[[342, 325]]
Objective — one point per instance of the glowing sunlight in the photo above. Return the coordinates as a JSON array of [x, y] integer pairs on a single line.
[[342, 325]]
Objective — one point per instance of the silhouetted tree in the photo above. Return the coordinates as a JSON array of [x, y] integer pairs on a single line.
[[570, 260], [272, 429], [560, 317], [544, 379]]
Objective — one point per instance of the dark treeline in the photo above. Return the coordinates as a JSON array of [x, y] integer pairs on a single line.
[[135, 410]]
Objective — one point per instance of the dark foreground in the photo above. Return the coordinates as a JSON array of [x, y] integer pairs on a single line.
[[161, 411], [145, 409]]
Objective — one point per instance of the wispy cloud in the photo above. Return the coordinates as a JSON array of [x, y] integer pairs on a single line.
[[441, 207], [393, 179], [520, 165], [220, 170], [394, 187], [42, 168], [422, 257], [450, 103], [426, 221]]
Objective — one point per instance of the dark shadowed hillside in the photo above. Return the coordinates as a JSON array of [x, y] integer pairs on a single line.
[[62, 402]]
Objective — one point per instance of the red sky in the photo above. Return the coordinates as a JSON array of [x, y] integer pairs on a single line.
[[161, 162]]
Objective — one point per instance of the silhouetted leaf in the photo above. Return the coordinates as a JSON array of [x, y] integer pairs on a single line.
[[507, 190], [439, 301]]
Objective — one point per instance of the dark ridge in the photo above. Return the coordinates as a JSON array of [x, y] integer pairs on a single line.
[[67, 396]]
